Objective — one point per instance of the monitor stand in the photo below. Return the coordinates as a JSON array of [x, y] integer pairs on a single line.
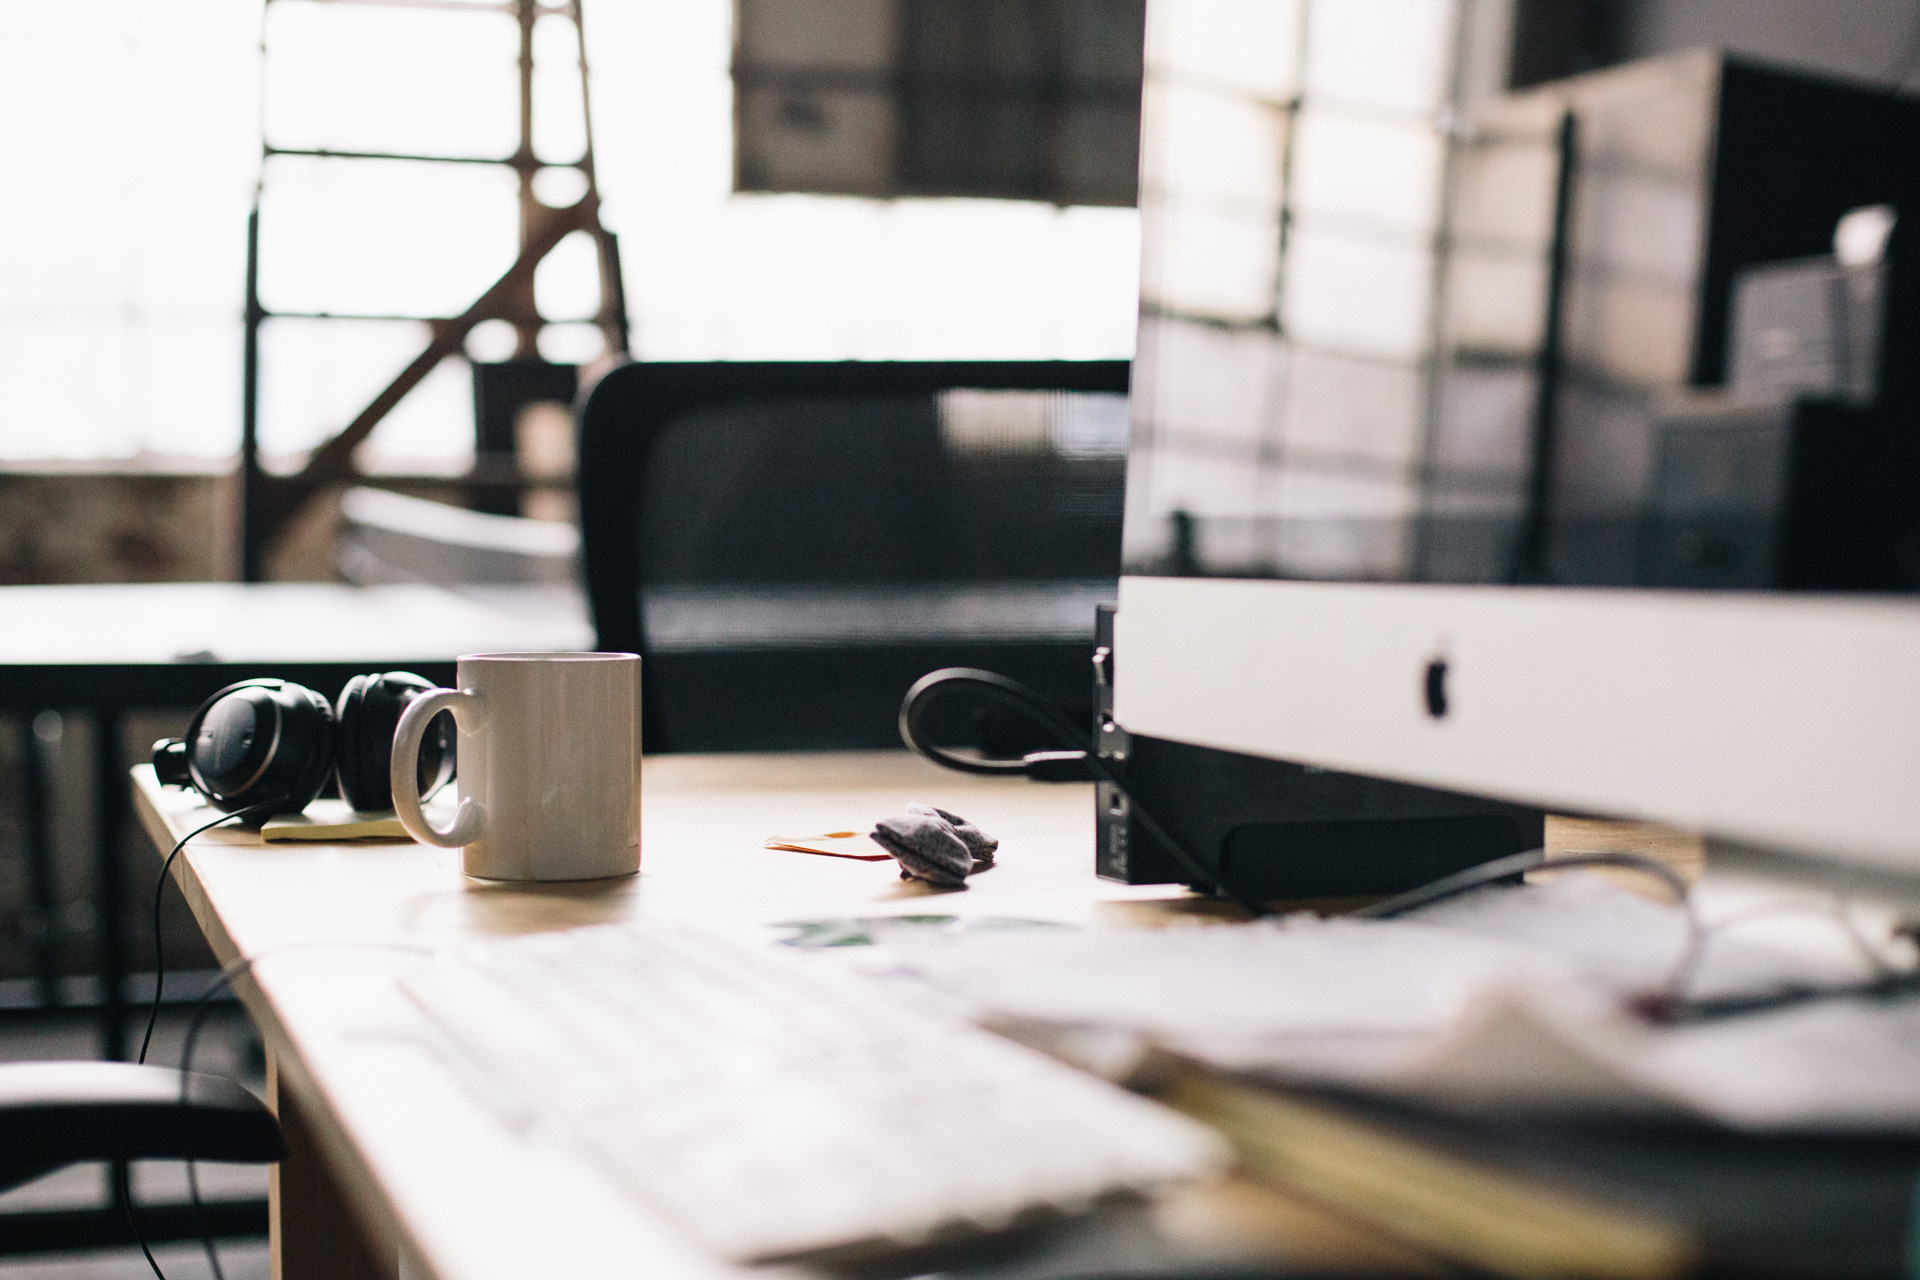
[[1275, 831]]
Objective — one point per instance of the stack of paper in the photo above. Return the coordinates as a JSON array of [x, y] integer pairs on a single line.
[[1510, 998]]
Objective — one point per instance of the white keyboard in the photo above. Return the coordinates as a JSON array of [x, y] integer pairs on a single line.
[[775, 1106]]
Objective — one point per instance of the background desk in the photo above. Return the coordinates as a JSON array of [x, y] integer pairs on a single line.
[[385, 1137]]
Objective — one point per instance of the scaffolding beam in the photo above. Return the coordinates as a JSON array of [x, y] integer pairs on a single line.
[[271, 501]]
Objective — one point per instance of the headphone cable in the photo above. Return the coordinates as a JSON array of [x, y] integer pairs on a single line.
[[229, 974], [159, 890], [122, 1170]]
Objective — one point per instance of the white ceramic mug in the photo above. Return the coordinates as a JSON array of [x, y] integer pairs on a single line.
[[549, 765]]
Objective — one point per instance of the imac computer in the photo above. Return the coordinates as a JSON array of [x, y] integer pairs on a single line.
[[1473, 442]]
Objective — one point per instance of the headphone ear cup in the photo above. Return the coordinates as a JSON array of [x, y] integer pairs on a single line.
[[259, 744], [349, 742], [369, 712]]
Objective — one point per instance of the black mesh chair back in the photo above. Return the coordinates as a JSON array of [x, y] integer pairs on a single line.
[[790, 545]]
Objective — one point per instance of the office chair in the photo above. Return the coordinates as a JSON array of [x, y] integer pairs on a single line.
[[790, 545], [390, 537], [53, 1114]]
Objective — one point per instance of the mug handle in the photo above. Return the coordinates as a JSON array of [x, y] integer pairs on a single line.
[[404, 771]]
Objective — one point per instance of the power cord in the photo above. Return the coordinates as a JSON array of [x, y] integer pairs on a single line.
[[1080, 763], [1670, 1004], [1519, 864], [1889, 981]]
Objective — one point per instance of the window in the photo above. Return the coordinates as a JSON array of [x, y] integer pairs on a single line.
[[130, 149], [1292, 189], [134, 145], [1014, 99]]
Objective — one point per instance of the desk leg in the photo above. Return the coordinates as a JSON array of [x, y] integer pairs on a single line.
[[40, 880], [110, 799], [311, 1227]]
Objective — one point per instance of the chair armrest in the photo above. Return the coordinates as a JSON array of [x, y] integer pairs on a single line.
[[59, 1113]]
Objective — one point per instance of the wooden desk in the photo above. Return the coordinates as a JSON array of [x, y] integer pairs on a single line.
[[394, 1160]]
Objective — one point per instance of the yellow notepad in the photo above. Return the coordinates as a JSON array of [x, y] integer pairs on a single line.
[[333, 820]]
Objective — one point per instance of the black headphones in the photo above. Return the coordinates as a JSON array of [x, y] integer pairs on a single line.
[[270, 745]]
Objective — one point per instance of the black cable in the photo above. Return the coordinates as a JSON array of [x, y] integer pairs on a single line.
[[1452, 886], [1689, 1009], [1537, 860], [994, 688], [123, 1172], [1671, 1004], [1081, 763], [200, 1220], [159, 891], [1888, 983], [1515, 864], [146, 1040]]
